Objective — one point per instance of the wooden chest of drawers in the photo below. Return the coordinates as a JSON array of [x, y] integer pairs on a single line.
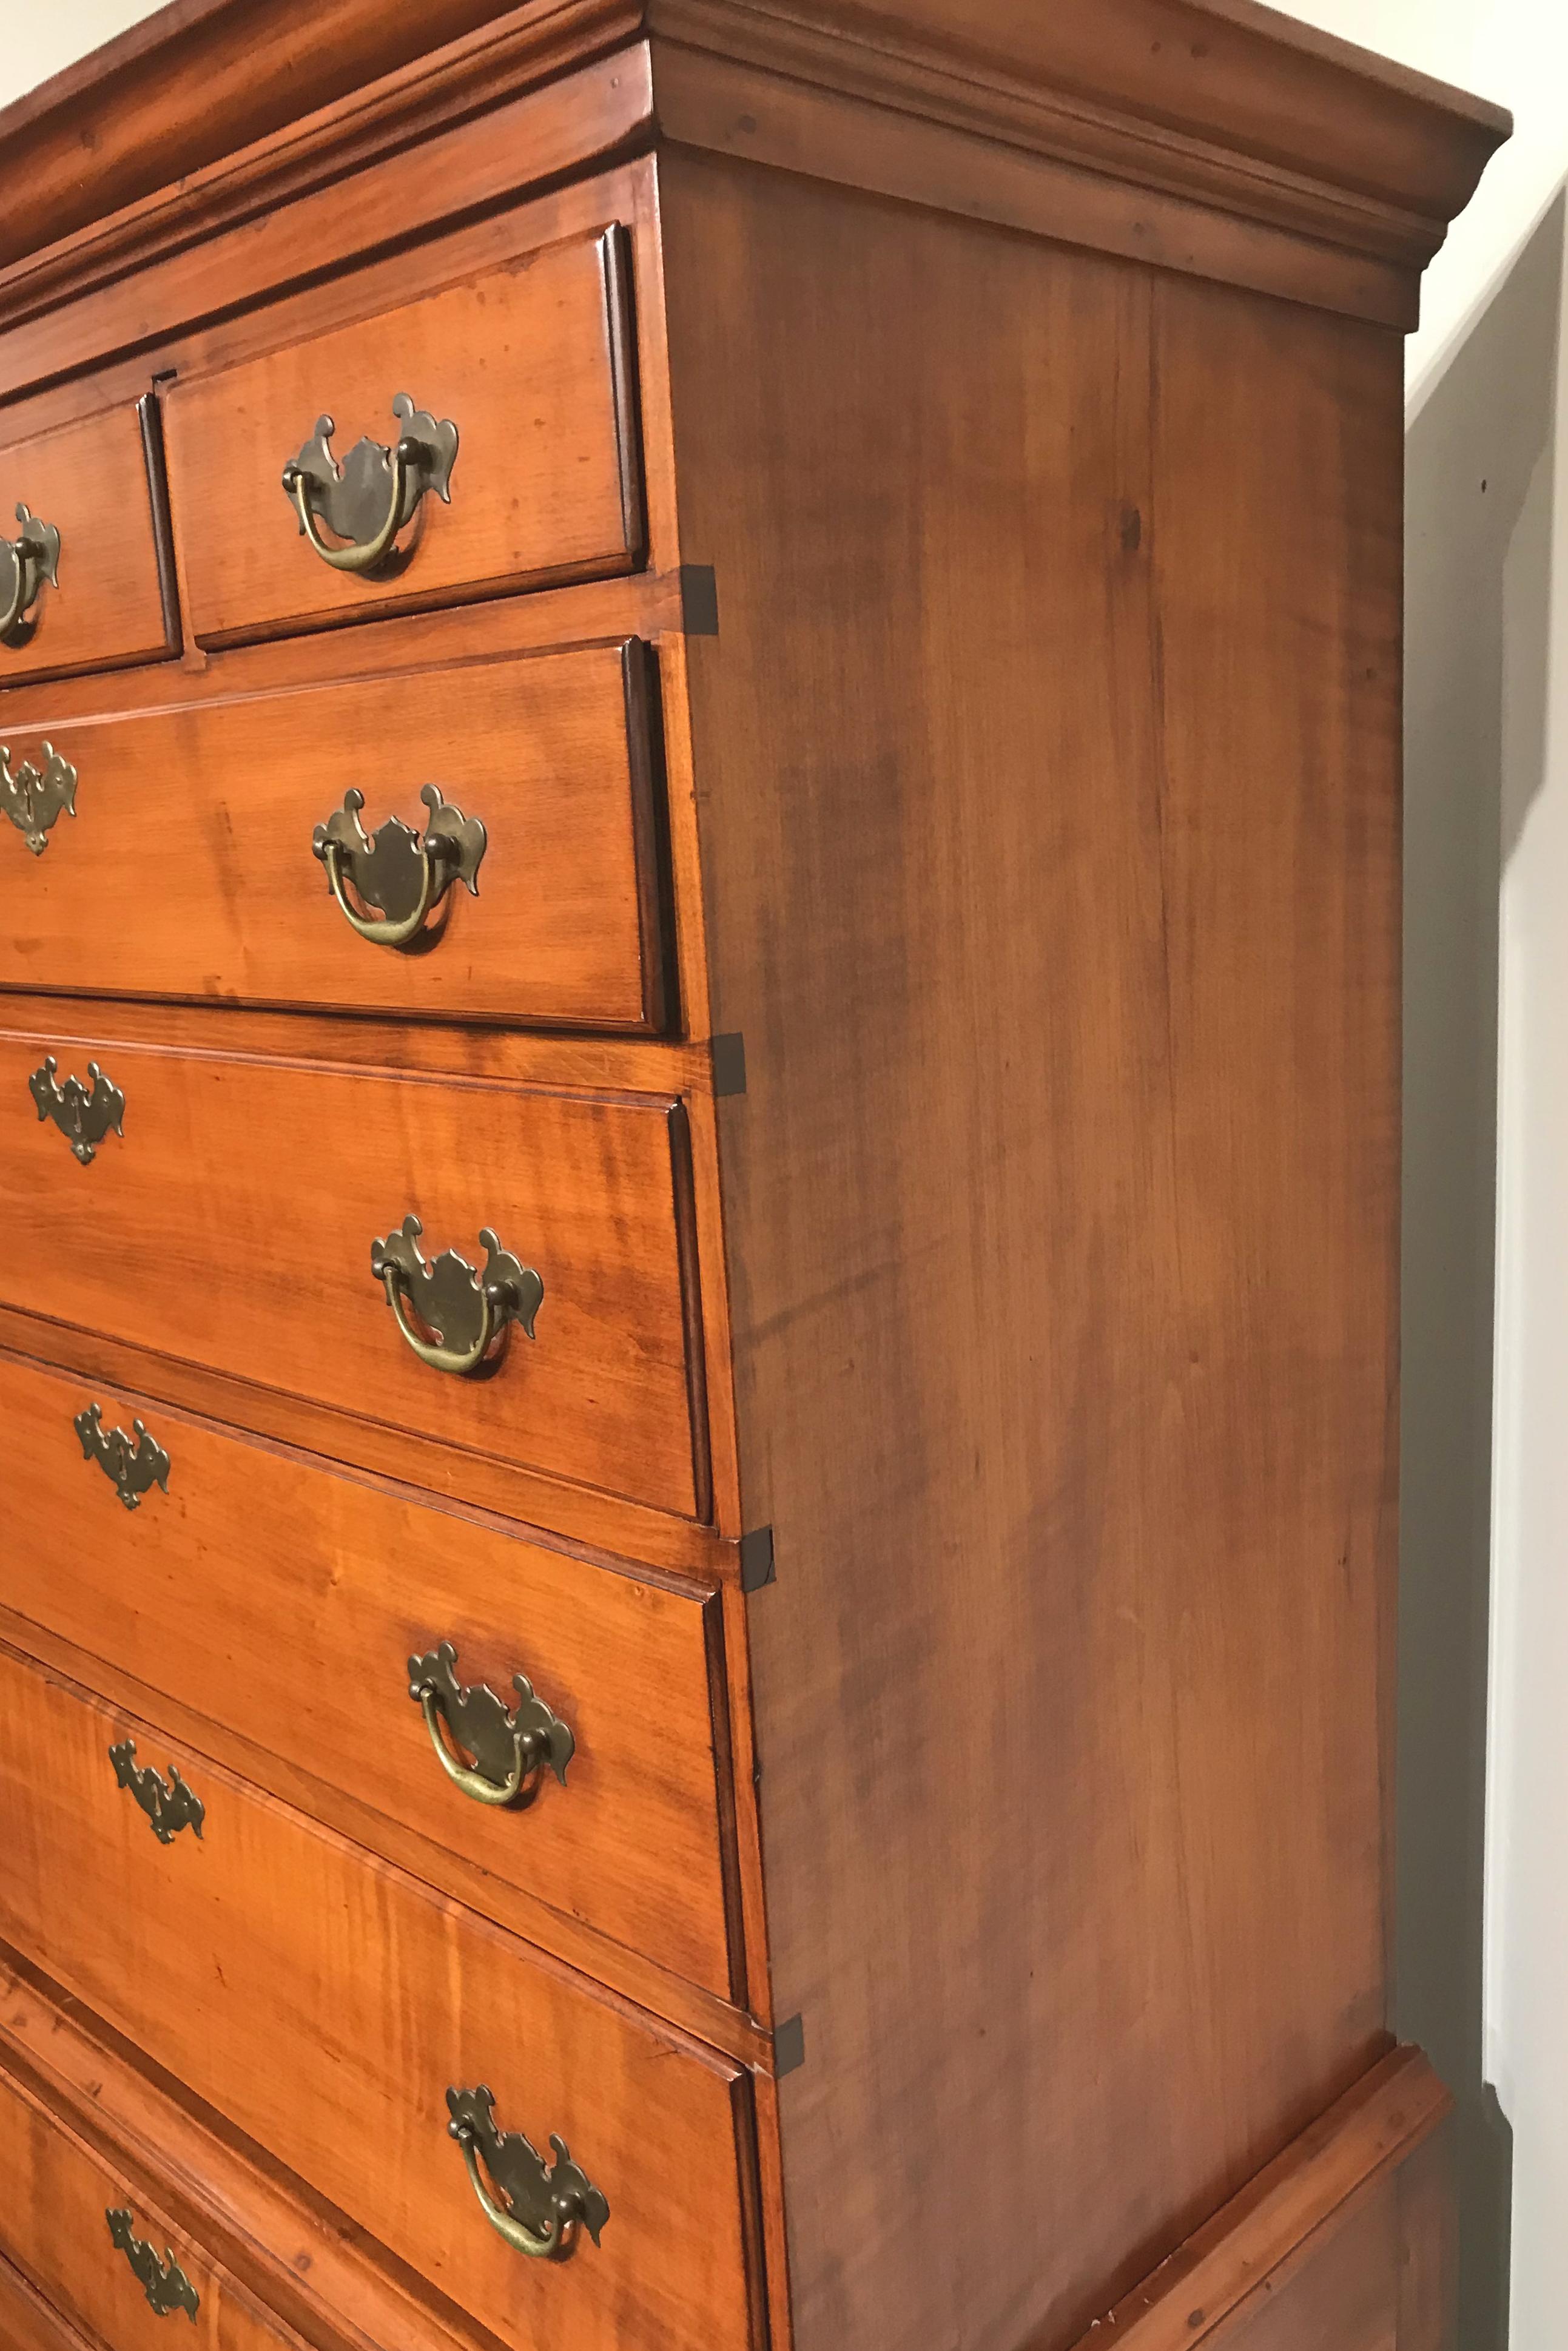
[[698, 1099]]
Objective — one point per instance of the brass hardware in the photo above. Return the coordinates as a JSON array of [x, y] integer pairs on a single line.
[[27, 561], [377, 490], [163, 2283], [84, 1114], [395, 870], [467, 1311], [509, 1750], [170, 1804], [132, 1468], [545, 2205], [33, 797]]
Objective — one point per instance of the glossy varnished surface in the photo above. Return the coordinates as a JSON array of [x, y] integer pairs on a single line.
[[231, 1227], [325, 2004], [188, 871], [89, 480], [1059, 1220], [284, 1603], [529, 362]]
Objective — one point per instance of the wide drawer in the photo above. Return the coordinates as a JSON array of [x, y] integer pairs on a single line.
[[528, 366], [327, 2006], [189, 869], [104, 2258], [285, 1601], [110, 599], [232, 1222]]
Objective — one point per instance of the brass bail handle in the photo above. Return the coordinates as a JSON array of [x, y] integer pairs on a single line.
[[467, 1311], [28, 562], [509, 1750], [402, 874], [375, 493], [541, 2206]]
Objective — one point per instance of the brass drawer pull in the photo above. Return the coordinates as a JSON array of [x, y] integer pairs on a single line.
[[170, 1804], [366, 501], [26, 563], [544, 2205], [396, 871], [163, 2283], [132, 1466], [509, 1750], [34, 796], [467, 1311], [84, 1114]]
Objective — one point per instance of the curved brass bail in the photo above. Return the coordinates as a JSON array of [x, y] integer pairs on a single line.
[[379, 930], [555, 2244], [526, 1763], [463, 1364], [356, 558]]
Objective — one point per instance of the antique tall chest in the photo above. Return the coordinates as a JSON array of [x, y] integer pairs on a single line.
[[698, 1107]]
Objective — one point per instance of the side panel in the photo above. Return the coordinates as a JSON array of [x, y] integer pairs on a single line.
[[1047, 767]]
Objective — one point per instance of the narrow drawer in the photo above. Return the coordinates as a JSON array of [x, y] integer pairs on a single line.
[[97, 484], [232, 1222], [189, 869], [526, 372], [286, 1602], [104, 2258], [327, 2006]]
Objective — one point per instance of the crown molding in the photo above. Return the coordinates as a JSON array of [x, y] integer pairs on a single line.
[[1209, 135]]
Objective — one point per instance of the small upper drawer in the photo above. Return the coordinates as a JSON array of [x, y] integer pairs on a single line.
[[86, 582], [503, 834], [499, 451]]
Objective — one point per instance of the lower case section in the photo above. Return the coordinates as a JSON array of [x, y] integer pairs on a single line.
[[1343, 2244]]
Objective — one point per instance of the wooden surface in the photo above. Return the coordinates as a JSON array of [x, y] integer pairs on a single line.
[[54, 2195], [1053, 884], [89, 480], [294, 2253], [188, 871], [524, 361], [1265, 2260], [325, 2003], [284, 1603], [1259, 114], [231, 1227]]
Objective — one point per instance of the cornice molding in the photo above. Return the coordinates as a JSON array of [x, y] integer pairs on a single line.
[[1206, 107]]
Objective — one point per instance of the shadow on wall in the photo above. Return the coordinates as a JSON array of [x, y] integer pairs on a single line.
[[1477, 542]]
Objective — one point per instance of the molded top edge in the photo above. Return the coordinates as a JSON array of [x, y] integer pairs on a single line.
[[201, 80]]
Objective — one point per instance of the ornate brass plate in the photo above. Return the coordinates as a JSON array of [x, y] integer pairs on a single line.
[[26, 563], [543, 2206], [170, 1804], [84, 1114], [467, 1311], [375, 493], [163, 2283], [34, 796], [509, 1750], [132, 1465], [395, 870]]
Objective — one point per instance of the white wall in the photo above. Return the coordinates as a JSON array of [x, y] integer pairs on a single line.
[[1484, 1767]]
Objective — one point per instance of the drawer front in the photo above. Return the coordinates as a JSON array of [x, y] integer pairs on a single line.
[[93, 483], [285, 1601], [326, 2006], [231, 1223], [188, 870], [531, 364], [109, 2262]]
